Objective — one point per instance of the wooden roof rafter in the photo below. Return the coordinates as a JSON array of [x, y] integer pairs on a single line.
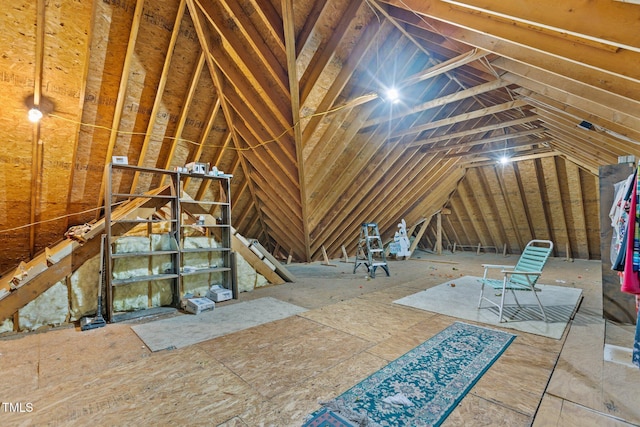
[[547, 51], [462, 117], [483, 141], [219, 84], [456, 96], [565, 20], [579, 115], [600, 143], [182, 117], [476, 130], [326, 51], [294, 89], [506, 148], [255, 40], [605, 103], [122, 92], [347, 168], [369, 172], [36, 145], [346, 72], [157, 102]]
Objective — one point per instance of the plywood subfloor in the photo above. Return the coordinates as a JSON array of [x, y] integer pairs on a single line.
[[277, 373]]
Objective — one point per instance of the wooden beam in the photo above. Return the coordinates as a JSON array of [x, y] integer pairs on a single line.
[[461, 118], [482, 141], [72, 256], [290, 47], [238, 245], [227, 111], [157, 102], [475, 130], [605, 103], [570, 19], [514, 159], [256, 41], [456, 96], [184, 111], [597, 67], [270, 16], [444, 66], [439, 233], [256, 60], [578, 114], [504, 149], [327, 50], [37, 148], [122, 93], [423, 228]]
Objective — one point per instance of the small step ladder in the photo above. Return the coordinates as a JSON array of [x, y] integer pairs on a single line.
[[370, 246]]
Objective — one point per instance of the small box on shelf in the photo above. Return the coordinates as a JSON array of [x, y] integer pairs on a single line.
[[198, 305], [217, 293]]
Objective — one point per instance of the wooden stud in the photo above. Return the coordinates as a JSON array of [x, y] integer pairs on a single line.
[[344, 253], [439, 234], [326, 258]]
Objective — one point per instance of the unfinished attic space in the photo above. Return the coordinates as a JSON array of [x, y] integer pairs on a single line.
[[320, 212]]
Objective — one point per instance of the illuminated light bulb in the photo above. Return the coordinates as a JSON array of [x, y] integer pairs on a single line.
[[393, 95], [504, 160], [34, 115]]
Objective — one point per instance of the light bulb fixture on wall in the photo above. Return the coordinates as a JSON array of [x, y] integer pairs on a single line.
[[34, 115], [36, 111], [504, 160], [393, 95]]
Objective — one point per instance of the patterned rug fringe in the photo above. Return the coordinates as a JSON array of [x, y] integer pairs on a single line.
[[357, 418]]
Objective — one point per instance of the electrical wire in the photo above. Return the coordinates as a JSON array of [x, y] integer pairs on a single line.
[[58, 218], [353, 102]]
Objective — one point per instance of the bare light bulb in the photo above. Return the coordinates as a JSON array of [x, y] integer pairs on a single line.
[[34, 115], [504, 160], [393, 95]]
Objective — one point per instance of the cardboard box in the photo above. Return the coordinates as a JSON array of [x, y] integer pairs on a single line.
[[217, 293], [198, 305]]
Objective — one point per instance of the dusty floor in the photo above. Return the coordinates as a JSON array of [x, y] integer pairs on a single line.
[[277, 373]]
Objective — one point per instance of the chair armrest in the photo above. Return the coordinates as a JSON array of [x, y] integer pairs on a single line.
[[497, 266], [526, 273]]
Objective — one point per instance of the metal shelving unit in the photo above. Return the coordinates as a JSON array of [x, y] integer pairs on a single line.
[[164, 215], [211, 217]]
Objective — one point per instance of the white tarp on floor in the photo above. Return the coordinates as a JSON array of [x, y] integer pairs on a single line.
[[461, 301], [187, 329]]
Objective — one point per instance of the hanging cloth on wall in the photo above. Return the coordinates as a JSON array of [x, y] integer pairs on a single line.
[[635, 358], [619, 215], [630, 279]]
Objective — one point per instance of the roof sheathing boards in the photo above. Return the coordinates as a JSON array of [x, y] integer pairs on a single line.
[[502, 204], [64, 55], [108, 51]]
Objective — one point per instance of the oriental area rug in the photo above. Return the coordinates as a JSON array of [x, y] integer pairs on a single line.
[[423, 386]]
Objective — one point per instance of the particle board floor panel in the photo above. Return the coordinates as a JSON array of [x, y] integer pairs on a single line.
[[277, 373]]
